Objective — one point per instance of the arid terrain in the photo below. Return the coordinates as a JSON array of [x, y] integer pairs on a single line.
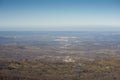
[[59, 55]]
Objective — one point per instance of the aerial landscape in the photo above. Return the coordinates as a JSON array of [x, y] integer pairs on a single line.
[[59, 40]]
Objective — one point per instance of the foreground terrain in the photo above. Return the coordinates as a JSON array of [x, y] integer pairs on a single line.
[[99, 69]]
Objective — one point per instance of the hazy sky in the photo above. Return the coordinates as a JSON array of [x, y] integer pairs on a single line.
[[59, 13]]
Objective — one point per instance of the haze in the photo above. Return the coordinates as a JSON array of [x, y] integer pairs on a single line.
[[58, 14]]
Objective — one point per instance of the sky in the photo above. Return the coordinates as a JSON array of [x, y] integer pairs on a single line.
[[58, 14]]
